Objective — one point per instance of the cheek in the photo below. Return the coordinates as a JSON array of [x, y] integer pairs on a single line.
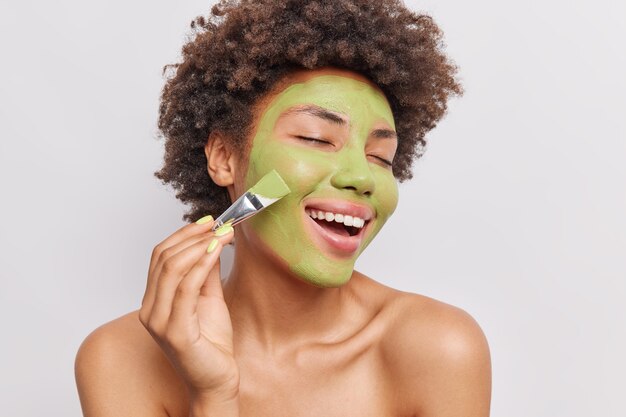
[[300, 170], [386, 194], [391, 196], [309, 175]]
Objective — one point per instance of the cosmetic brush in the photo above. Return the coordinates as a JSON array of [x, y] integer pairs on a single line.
[[264, 193]]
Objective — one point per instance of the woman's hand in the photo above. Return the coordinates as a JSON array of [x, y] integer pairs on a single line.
[[184, 311]]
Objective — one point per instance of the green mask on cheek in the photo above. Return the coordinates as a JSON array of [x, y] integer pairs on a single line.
[[327, 172]]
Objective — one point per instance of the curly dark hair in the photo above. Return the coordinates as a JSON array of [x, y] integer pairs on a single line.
[[238, 53]]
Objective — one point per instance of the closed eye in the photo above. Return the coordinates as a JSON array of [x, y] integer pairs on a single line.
[[308, 139], [383, 160], [325, 142]]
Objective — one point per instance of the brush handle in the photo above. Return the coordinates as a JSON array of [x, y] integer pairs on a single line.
[[244, 207]]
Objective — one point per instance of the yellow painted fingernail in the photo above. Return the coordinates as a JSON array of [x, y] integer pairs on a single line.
[[224, 230], [205, 219], [212, 246]]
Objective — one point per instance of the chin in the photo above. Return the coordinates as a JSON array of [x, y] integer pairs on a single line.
[[325, 279]]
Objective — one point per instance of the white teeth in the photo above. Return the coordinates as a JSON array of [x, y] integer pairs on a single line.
[[336, 217]]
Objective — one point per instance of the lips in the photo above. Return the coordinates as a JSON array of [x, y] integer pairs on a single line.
[[340, 206], [338, 226]]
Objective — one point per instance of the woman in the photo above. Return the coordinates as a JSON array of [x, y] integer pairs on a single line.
[[337, 97]]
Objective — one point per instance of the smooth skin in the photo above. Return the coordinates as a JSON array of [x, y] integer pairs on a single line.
[[265, 342]]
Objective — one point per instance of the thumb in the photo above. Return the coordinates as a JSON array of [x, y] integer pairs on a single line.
[[213, 284]]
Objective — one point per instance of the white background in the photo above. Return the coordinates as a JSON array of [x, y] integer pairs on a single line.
[[516, 212]]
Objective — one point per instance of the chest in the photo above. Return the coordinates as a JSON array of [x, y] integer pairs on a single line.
[[329, 385], [320, 385]]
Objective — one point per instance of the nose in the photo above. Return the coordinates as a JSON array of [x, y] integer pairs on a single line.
[[353, 173]]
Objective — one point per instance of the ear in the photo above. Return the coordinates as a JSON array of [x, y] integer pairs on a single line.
[[221, 160]]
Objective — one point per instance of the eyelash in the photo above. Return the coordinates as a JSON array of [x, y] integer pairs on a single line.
[[386, 162], [313, 139]]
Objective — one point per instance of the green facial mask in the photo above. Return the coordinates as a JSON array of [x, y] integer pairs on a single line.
[[313, 171]]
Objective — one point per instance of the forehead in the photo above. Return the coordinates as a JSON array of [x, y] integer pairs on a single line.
[[347, 93]]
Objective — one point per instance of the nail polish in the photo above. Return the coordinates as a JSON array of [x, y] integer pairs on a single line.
[[223, 230], [205, 219], [212, 246]]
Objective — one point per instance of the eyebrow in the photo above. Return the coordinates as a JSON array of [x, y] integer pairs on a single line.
[[384, 134], [337, 119], [320, 112]]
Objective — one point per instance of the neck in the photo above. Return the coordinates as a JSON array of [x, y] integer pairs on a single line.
[[269, 305]]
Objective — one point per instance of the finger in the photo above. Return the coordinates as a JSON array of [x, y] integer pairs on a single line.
[[151, 287], [185, 302], [180, 235], [170, 275], [212, 286]]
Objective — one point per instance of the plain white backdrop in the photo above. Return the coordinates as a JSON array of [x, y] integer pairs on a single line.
[[517, 212]]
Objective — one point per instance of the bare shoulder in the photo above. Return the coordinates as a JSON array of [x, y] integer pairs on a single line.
[[437, 357], [419, 321], [120, 370]]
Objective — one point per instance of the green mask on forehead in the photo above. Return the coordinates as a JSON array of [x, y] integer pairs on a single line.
[[320, 172]]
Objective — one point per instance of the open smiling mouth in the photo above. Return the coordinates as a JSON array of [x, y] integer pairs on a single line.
[[341, 233], [337, 223]]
